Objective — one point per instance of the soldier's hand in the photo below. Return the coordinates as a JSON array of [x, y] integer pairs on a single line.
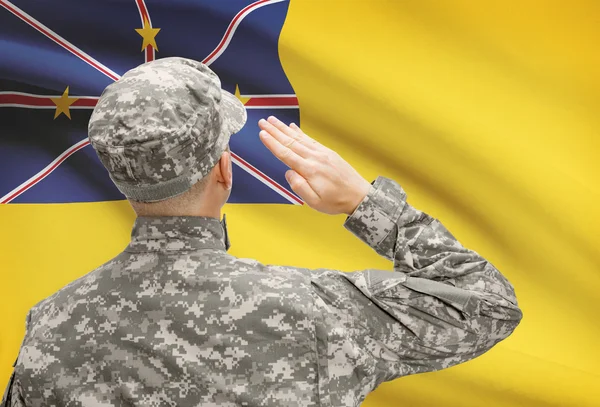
[[323, 179]]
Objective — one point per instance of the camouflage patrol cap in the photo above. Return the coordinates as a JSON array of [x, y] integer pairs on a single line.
[[163, 126]]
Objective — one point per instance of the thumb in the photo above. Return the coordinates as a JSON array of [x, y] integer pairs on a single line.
[[301, 187], [288, 176]]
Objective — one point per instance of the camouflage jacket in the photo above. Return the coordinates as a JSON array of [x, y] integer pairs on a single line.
[[174, 320]]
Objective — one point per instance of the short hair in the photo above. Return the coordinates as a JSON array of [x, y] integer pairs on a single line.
[[174, 205]]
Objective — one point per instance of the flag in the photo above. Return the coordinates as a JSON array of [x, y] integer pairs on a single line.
[[486, 114], [80, 48]]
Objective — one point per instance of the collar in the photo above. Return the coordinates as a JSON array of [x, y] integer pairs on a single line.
[[175, 233]]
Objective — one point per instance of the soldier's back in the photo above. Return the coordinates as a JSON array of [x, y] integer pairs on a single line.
[[186, 327]]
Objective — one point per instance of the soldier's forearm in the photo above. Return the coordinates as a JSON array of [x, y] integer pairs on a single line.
[[420, 246]]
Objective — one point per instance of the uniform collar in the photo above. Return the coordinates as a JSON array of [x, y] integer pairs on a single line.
[[175, 233]]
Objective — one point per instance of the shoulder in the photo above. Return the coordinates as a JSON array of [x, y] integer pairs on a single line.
[[80, 290]]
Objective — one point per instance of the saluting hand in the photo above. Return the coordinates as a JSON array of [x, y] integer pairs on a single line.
[[323, 179]]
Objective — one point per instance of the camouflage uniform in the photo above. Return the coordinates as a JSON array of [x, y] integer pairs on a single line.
[[174, 320]]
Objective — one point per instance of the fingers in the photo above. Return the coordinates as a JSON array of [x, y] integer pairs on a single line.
[[301, 187], [309, 141], [292, 131], [283, 153], [286, 136]]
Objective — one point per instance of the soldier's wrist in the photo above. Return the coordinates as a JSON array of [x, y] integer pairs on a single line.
[[360, 195]]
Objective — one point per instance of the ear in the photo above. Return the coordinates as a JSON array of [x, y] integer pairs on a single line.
[[226, 173]]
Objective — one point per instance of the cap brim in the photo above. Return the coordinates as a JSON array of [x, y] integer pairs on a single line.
[[233, 112]]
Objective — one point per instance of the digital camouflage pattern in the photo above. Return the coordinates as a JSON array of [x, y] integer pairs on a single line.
[[174, 320], [163, 126]]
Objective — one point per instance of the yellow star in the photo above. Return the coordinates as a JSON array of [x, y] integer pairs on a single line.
[[148, 34], [62, 104], [239, 96]]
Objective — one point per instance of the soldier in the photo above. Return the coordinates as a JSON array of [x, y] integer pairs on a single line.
[[174, 320]]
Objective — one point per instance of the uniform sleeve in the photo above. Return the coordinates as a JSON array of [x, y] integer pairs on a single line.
[[13, 396], [442, 305]]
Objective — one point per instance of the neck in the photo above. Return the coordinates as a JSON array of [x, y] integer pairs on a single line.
[[196, 210], [208, 212]]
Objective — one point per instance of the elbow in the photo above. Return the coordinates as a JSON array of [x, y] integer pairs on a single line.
[[498, 323], [516, 315], [498, 307], [505, 327]]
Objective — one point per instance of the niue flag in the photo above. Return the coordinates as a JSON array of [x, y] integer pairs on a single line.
[[57, 57]]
